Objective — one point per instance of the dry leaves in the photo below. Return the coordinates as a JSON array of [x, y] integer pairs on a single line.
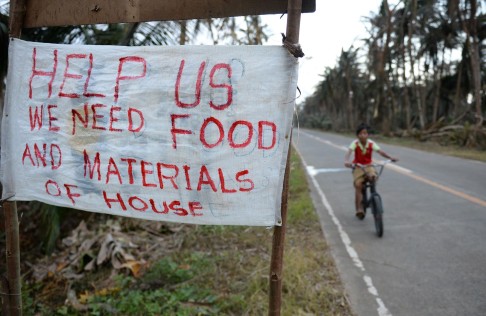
[[86, 250]]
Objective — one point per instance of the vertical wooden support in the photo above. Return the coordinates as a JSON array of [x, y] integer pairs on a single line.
[[18, 8], [276, 263], [14, 292], [293, 27], [293, 21], [13, 297]]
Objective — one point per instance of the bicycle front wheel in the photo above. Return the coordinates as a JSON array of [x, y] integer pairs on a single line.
[[377, 214]]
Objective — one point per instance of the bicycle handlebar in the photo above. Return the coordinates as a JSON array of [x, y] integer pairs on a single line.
[[381, 165]]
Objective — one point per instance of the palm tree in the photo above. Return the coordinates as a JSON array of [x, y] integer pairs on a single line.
[[470, 20], [379, 58], [3, 53]]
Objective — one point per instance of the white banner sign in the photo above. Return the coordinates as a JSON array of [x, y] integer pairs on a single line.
[[191, 134]]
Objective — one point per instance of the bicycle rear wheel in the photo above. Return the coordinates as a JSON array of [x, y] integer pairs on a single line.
[[377, 208]]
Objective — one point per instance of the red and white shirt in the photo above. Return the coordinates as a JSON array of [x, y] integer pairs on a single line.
[[363, 154]]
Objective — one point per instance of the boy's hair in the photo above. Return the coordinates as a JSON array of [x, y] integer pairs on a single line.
[[361, 127]]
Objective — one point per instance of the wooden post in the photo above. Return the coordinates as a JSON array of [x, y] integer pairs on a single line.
[[14, 289], [13, 285], [276, 265]]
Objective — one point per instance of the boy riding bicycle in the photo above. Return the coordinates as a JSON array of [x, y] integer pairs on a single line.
[[363, 149]]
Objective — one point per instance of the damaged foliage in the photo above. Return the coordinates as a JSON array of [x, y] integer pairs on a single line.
[[86, 250]]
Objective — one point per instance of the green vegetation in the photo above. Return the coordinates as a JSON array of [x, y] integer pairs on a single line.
[[197, 270]]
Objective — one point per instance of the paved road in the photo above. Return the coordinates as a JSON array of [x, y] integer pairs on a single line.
[[432, 257]]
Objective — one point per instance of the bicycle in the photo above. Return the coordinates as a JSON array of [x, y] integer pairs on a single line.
[[371, 198]]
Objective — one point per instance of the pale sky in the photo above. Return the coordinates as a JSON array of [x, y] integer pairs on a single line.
[[323, 34]]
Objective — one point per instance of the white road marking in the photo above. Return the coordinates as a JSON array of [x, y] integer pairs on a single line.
[[353, 254], [313, 171]]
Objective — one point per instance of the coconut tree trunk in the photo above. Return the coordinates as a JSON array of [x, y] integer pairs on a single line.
[[131, 28], [473, 44], [416, 88], [406, 98], [438, 84], [384, 107], [469, 26], [350, 114], [183, 35], [457, 96]]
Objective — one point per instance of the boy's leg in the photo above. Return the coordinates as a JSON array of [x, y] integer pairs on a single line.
[[371, 171], [358, 177], [358, 185]]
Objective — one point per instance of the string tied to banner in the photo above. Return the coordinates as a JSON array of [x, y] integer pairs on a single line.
[[6, 199], [294, 49]]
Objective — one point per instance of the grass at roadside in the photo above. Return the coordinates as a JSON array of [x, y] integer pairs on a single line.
[[213, 270]]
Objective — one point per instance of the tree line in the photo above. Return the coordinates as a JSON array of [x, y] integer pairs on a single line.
[[420, 71]]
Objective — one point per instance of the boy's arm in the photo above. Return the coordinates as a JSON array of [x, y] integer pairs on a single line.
[[347, 163], [384, 154]]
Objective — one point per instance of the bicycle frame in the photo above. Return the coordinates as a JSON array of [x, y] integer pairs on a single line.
[[370, 185], [374, 199]]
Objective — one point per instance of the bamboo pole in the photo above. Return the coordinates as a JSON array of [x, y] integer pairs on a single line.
[[13, 284], [276, 264]]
